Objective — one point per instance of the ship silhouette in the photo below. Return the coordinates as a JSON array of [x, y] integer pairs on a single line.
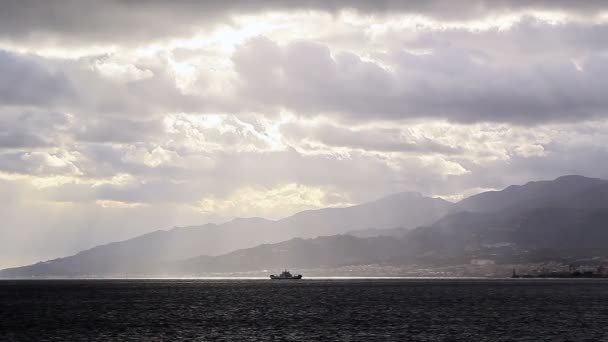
[[285, 275]]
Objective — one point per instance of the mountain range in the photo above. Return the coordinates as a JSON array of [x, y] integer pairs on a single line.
[[563, 220]]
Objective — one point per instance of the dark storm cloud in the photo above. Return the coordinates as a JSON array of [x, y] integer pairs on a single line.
[[449, 83], [69, 21]]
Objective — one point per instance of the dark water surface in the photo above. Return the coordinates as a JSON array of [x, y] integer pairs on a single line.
[[307, 310]]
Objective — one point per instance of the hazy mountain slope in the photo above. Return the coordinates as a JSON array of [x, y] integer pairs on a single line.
[[152, 248], [404, 210], [371, 232], [400, 210], [539, 234], [566, 218], [545, 234], [320, 252], [563, 192]]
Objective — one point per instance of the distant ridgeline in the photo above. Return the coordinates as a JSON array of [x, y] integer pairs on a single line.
[[572, 272], [550, 224]]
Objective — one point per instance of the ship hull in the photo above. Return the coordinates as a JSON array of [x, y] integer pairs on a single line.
[[273, 277]]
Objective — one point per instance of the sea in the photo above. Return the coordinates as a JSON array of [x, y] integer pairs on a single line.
[[305, 310]]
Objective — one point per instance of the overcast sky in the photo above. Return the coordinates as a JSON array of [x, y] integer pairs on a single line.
[[123, 117]]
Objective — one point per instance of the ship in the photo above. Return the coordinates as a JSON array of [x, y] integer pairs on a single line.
[[285, 275]]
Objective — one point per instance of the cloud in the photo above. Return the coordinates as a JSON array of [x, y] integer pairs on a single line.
[[150, 113], [27, 80], [135, 22], [118, 130], [528, 38], [274, 203], [366, 139], [30, 128], [543, 73], [80, 88], [447, 83], [38, 163]]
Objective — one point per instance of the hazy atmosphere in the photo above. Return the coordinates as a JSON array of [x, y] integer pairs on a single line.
[[121, 119]]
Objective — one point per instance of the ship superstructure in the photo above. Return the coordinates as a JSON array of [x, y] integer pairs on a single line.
[[285, 275]]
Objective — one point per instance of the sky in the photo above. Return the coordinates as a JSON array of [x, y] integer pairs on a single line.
[[122, 117]]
